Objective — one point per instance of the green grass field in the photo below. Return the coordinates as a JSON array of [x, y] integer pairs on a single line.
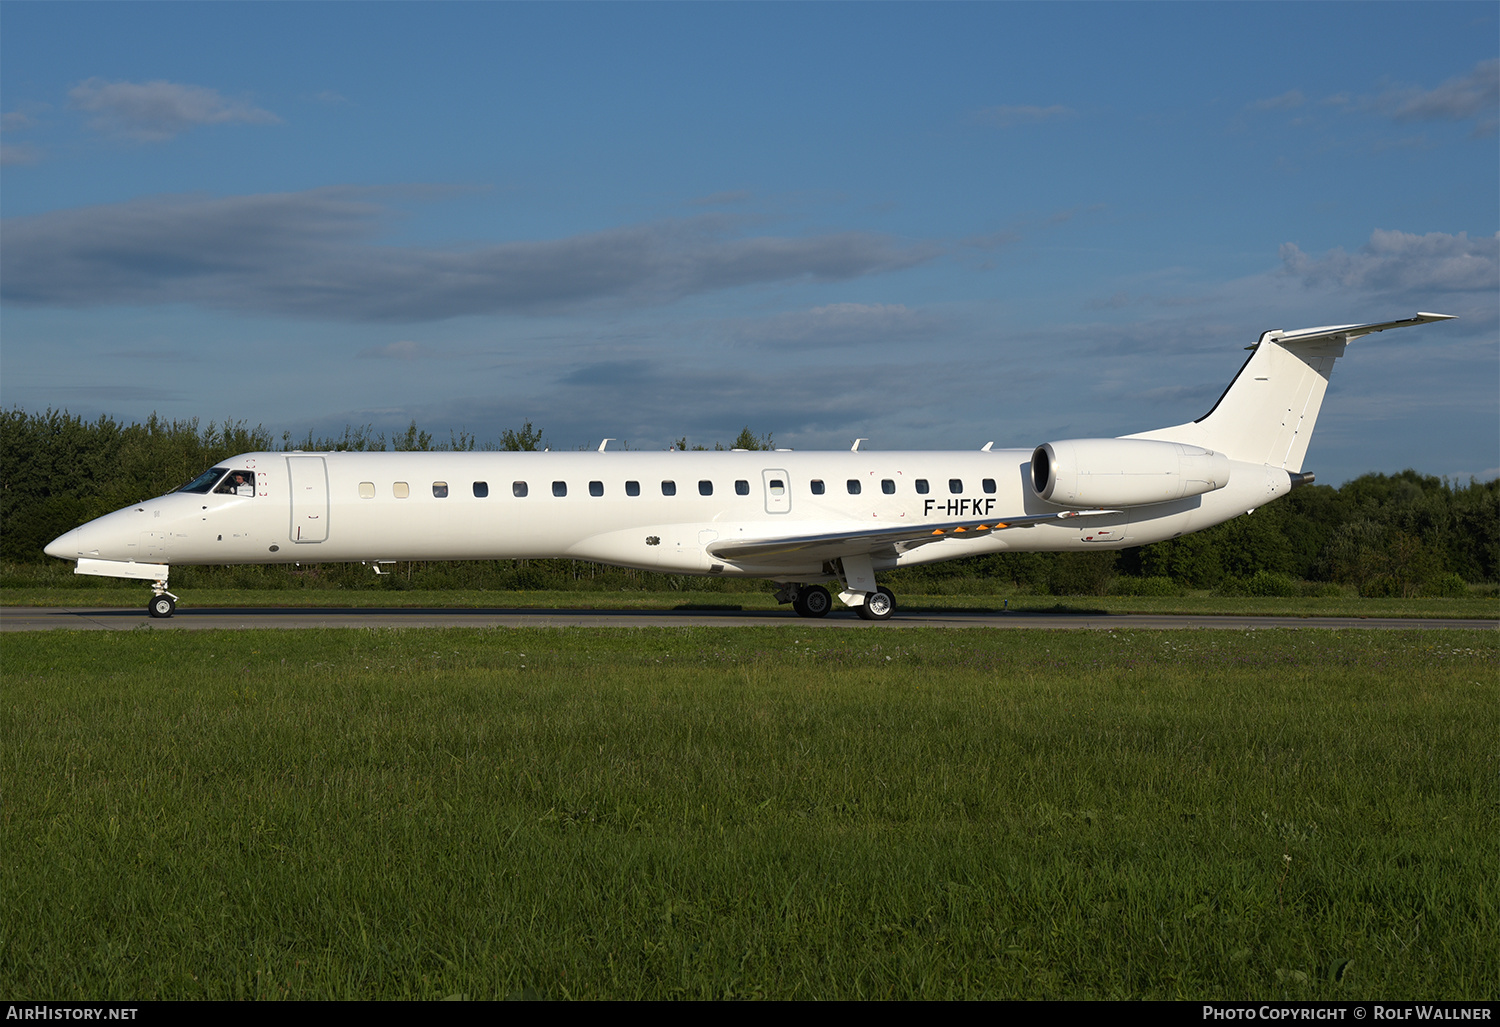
[[768, 813], [135, 596]]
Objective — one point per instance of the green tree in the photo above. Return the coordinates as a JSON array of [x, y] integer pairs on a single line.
[[527, 440], [747, 439]]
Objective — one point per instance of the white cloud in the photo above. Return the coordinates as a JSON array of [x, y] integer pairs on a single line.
[[1403, 262], [1475, 95], [156, 111]]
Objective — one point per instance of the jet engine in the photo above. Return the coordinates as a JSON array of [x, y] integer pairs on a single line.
[[1124, 472]]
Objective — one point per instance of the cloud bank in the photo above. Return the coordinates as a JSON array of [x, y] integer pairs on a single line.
[[1475, 95], [312, 254], [1400, 262]]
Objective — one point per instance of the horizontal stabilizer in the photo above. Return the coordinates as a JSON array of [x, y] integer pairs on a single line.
[[1348, 332]]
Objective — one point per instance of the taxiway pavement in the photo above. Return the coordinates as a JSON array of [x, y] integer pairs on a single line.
[[20, 618]]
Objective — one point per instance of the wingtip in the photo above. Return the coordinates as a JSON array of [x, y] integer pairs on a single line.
[[1437, 317]]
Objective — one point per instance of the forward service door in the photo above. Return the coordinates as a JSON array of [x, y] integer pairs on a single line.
[[309, 478]]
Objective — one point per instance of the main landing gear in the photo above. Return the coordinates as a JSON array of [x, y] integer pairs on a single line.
[[878, 605], [814, 601], [163, 603]]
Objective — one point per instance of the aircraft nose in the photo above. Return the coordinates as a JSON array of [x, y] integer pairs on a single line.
[[64, 547]]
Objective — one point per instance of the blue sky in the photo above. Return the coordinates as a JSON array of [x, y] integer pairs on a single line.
[[929, 225]]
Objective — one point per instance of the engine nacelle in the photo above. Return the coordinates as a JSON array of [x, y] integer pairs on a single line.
[[1124, 472]]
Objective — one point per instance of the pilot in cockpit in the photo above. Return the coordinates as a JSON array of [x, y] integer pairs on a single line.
[[238, 483]]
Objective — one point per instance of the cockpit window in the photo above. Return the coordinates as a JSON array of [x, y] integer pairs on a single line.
[[237, 483], [204, 481]]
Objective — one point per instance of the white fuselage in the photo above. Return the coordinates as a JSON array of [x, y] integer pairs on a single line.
[[654, 511]]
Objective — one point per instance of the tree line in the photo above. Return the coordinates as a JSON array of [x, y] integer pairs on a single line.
[[1405, 534]]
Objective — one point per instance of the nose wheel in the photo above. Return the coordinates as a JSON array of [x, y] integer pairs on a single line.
[[163, 603]]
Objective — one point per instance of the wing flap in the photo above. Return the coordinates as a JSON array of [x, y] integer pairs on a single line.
[[882, 541]]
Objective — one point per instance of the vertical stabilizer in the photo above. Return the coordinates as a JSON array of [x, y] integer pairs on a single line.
[[1267, 414]]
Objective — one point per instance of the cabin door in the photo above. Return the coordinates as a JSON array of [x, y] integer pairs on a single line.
[[309, 476], [778, 485]]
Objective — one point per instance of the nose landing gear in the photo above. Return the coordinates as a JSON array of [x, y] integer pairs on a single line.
[[163, 603]]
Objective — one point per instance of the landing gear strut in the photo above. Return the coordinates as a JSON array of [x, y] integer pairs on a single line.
[[163, 603]]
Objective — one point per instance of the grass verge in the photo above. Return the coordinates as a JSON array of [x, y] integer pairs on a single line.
[[749, 813], [136, 595]]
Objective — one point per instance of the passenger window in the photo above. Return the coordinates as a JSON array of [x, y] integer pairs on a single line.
[[742, 488], [778, 487], [921, 486], [955, 485], [481, 489], [518, 489], [669, 488], [440, 490], [817, 486], [559, 489], [705, 488], [854, 486], [888, 486], [632, 488], [237, 483], [989, 486], [367, 490], [596, 488], [400, 490]]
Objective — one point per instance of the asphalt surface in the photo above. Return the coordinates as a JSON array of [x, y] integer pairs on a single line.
[[18, 618]]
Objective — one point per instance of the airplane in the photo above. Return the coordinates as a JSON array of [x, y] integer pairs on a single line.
[[801, 519]]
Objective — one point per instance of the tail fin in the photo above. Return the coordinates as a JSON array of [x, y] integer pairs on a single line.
[[1266, 416]]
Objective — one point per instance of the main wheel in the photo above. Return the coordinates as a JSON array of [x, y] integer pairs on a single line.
[[161, 606], [812, 601], [878, 605]]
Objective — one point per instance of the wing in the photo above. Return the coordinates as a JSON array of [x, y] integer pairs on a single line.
[[881, 541]]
